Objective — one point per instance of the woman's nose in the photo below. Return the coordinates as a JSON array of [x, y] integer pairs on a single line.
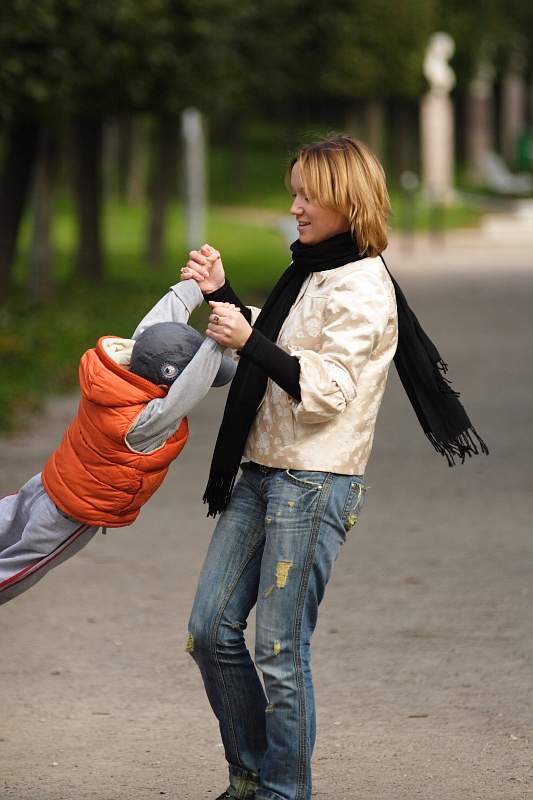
[[295, 207]]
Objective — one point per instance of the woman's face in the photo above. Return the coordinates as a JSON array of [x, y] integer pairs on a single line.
[[314, 223]]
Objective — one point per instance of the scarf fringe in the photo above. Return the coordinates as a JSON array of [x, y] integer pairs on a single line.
[[217, 493], [468, 443], [436, 403], [444, 384]]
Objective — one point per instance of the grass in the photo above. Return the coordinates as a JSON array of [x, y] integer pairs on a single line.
[[256, 179], [40, 346]]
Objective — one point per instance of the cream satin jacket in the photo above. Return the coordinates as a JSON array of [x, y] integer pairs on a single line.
[[343, 328]]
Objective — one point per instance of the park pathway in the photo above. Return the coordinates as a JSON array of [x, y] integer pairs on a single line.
[[423, 657]]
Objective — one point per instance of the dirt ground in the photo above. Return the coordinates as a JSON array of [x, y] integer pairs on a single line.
[[423, 656]]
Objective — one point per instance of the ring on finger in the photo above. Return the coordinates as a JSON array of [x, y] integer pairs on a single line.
[[216, 319]]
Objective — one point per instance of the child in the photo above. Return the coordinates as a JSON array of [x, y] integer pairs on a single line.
[[131, 424]]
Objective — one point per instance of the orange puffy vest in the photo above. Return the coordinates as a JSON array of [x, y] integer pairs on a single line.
[[93, 475]]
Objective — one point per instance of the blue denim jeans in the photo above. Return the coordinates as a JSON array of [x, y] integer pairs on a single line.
[[274, 546]]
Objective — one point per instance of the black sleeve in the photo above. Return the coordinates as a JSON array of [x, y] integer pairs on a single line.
[[278, 365], [226, 295]]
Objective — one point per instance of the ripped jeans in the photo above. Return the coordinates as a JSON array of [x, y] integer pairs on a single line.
[[274, 546]]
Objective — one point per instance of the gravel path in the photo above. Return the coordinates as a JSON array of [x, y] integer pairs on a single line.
[[423, 655]]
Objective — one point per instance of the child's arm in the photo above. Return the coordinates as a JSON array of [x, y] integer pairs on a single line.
[[176, 306], [162, 416]]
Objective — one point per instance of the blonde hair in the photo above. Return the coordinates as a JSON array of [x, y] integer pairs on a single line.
[[343, 174]]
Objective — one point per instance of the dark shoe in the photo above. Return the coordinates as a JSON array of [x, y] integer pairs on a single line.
[[226, 796]]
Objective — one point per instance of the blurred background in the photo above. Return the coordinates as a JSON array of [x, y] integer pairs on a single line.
[[132, 131]]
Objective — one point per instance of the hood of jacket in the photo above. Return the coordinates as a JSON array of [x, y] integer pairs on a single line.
[[105, 377]]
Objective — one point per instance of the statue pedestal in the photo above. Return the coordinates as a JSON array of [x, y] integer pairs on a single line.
[[479, 123], [437, 145], [513, 113]]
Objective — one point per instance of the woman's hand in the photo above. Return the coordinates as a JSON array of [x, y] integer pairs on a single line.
[[206, 268], [227, 326]]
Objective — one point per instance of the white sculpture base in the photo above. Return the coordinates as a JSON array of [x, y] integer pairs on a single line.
[[437, 145]]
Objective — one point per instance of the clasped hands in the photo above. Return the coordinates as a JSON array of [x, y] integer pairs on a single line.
[[227, 326]]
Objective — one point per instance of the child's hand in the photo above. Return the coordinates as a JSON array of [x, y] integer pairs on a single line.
[[206, 268], [227, 325]]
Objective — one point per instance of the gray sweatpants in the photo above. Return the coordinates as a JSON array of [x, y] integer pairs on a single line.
[[34, 537]]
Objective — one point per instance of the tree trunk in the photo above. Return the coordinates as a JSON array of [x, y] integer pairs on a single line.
[[111, 144], [88, 190], [375, 126], [41, 250], [353, 122], [123, 152], [513, 113], [404, 145], [136, 169], [163, 184], [20, 152], [236, 176]]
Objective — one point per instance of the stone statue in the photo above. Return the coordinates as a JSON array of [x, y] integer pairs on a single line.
[[438, 72], [437, 121]]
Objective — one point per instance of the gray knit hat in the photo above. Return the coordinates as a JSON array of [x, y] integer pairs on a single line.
[[163, 350]]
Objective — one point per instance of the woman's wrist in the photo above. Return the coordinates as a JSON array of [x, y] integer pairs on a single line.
[[246, 336], [216, 294], [226, 294]]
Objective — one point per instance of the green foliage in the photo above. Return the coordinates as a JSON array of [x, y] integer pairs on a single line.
[[69, 55], [74, 56], [33, 61], [40, 346], [490, 30], [372, 49], [237, 60]]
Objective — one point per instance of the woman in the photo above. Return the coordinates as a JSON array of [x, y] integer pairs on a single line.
[[302, 411]]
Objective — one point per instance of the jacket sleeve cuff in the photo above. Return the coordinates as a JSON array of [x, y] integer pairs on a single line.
[[226, 295], [189, 293]]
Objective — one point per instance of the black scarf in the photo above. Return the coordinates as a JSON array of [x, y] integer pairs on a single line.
[[420, 367]]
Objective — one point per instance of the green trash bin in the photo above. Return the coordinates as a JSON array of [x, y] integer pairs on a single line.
[[524, 151]]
